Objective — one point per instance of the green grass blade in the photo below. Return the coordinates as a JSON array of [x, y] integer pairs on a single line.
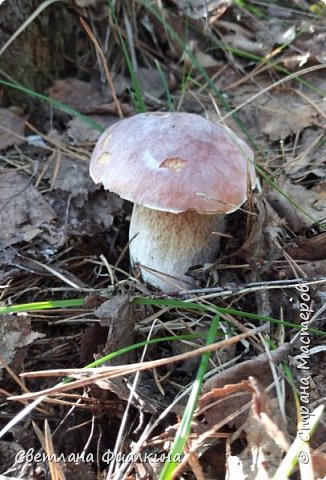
[[185, 425], [29, 307], [258, 12], [77, 302], [157, 14], [166, 87], [216, 310], [138, 97], [134, 346], [299, 446]]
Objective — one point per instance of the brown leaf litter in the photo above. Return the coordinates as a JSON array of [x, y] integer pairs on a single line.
[[257, 447], [287, 114], [82, 134], [15, 335], [116, 331], [312, 249], [309, 157], [23, 210], [302, 246], [8, 452], [81, 206], [307, 199], [258, 247], [117, 314], [264, 434], [211, 413], [85, 96], [12, 128]]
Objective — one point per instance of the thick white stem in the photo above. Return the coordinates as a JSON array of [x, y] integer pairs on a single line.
[[171, 243]]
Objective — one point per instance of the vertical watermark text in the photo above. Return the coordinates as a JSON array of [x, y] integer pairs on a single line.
[[303, 363]]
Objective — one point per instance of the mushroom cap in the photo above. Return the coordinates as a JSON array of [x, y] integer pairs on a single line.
[[174, 162]]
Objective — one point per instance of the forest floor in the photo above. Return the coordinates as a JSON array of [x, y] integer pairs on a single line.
[[258, 68]]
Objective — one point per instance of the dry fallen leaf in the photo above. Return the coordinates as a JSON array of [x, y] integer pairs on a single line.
[[312, 43], [23, 210], [11, 129], [266, 441], [117, 314], [15, 334], [265, 437], [77, 94], [92, 342], [84, 96], [286, 114], [151, 82], [82, 207], [307, 199], [202, 58], [80, 132], [118, 317], [319, 464], [70, 176], [258, 367], [262, 241], [310, 155]]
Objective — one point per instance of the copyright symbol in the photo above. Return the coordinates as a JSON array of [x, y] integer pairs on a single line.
[[20, 455], [303, 457]]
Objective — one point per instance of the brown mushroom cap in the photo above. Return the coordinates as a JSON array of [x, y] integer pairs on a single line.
[[174, 162]]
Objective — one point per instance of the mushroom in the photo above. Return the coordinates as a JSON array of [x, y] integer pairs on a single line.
[[183, 173]]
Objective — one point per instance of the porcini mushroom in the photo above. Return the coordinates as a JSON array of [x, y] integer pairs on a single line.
[[183, 173]]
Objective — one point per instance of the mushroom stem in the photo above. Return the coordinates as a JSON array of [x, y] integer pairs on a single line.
[[171, 243]]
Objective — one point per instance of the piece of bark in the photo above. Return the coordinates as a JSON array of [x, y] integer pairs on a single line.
[[93, 342], [309, 248], [311, 269]]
